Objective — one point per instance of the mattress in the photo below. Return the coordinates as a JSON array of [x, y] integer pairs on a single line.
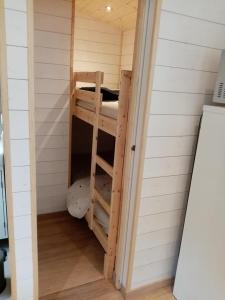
[[108, 108]]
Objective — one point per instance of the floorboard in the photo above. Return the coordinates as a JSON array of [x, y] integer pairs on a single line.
[[69, 254], [71, 263], [104, 290]]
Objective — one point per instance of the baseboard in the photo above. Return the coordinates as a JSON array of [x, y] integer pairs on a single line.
[[147, 289]]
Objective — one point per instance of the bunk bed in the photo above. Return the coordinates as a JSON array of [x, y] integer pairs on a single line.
[[110, 117]]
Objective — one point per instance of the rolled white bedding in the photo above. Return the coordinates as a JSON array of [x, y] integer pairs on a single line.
[[79, 199]]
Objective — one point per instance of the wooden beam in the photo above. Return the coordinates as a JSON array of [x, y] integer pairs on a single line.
[[86, 96], [90, 77], [104, 165], [107, 124], [100, 234], [84, 114], [98, 197], [95, 144]]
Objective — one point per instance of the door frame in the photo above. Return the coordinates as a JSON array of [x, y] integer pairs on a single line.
[[142, 79], [144, 56]]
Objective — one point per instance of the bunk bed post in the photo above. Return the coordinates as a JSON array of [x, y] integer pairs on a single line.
[[98, 103], [71, 113], [117, 173]]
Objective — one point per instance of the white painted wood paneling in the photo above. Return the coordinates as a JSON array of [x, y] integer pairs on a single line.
[[191, 36], [190, 30], [52, 56], [51, 101], [58, 8], [172, 103], [148, 256], [154, 272], [18, 94], [170, 146], [52, 23], [51, 128], [207, 10], [52, 71], [51, 167], [52, 86], [165, 185], [157, 238], [17, 71], [52, 40], [16, 23], [183, 55], [160, 221], [157, 204], [167, 166], [46, 154], [183, 80], [173, 125], [97, 47]]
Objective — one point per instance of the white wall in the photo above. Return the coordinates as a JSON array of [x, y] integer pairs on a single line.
[[97, 47], [52, 39], [191, 36], [127, 49], [19, 142]]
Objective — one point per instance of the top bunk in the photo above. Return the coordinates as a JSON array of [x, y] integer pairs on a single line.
[[99, 104]]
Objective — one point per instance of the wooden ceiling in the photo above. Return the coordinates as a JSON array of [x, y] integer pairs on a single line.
[[123, 14]]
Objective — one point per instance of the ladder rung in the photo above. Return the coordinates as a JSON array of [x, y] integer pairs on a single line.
[[104, 165], [102, 201], [100, 234]]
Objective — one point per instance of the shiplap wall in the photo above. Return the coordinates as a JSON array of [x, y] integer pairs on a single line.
[[52, 40], [18, 104], [97, 47], [127, 49], [191, 36]]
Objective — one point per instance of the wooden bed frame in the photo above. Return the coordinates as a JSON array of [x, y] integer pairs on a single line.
[[117, 128]]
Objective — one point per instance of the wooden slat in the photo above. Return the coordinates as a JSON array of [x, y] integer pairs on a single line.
[[98, 197], [84, 114], [90, 77], [100, 234], [107, 124], [104, 165], [86, 96], [95, 142]]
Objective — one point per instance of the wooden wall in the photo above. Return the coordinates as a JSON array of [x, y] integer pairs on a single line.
[[52, 40], [97, 47], [191, 36]]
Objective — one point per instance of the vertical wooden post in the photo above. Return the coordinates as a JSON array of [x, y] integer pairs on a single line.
[[72, 89], [117, 172], [98, 103]]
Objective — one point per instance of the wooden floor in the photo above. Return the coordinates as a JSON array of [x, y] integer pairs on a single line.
[[69, 254], [71, 263], [104, 290]]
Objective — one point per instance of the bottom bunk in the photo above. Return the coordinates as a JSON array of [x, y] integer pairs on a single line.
[[79, 196]]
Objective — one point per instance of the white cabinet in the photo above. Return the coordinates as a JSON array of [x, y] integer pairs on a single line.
[[201, 266]]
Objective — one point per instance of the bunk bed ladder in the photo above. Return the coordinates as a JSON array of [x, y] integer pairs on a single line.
[[109, 241]]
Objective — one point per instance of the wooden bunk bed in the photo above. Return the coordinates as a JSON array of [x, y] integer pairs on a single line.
[[96, 113]]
